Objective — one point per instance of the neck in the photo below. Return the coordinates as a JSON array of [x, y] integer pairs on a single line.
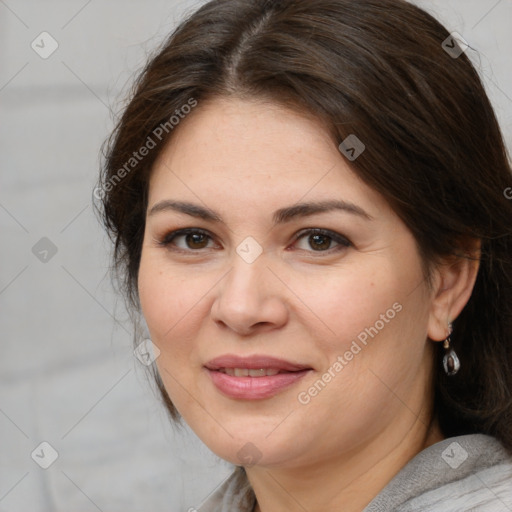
[[348, 482]]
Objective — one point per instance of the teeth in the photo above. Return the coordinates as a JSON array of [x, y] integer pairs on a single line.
[[246, 372]]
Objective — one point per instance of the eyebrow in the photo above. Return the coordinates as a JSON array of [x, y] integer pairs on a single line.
[[280, 216]]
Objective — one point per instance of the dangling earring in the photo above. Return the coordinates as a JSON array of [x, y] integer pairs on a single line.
[[451, 362]]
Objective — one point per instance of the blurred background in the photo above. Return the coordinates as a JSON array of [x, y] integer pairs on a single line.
[[81, 428]]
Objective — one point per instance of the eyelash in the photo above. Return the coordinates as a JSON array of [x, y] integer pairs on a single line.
[[343, 242]]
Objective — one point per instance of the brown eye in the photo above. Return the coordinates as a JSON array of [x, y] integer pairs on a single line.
[[196, 240], [187, 240], [321, 240]]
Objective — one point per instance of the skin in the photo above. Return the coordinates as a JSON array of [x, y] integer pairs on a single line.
[[296, 301]]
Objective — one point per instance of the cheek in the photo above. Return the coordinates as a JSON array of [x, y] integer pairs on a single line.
[[173, 305], [373, 348], [169, 299], [346, 302], [374, 317]]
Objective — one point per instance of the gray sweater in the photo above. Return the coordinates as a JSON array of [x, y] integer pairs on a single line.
[[459, 474]]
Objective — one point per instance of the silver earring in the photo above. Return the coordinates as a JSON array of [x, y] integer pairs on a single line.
[[451, 362]]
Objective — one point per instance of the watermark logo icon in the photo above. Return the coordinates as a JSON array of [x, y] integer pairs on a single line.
[[44, 250], [455, 45], [146, 352], [44, 455], [249, 250], [99, 193], [44, 45], [454, 455], [352, 147], [249, 455]]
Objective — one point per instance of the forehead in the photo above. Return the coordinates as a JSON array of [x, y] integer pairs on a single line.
[[249, 153]]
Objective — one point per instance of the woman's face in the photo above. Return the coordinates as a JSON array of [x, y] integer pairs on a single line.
[[345, 310]]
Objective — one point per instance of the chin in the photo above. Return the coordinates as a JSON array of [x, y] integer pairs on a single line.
[[243, 452], [251, 443]]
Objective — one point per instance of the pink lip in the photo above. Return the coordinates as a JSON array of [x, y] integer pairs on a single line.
[[254, 388]]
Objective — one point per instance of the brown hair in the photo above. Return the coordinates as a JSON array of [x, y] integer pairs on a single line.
[[377, 69]]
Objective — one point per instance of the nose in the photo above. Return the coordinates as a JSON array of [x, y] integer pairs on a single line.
[[250, 299]]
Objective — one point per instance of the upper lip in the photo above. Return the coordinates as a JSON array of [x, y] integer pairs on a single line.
[[254, 362]]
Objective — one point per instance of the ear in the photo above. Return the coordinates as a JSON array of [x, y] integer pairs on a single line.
[[453, 282]]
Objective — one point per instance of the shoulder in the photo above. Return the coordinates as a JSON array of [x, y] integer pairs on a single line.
[[464, 473]]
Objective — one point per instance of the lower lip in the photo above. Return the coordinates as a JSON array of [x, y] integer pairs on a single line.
[[254, 388]]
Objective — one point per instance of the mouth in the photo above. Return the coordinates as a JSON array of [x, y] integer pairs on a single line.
[[249, 372], [254, 377]]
